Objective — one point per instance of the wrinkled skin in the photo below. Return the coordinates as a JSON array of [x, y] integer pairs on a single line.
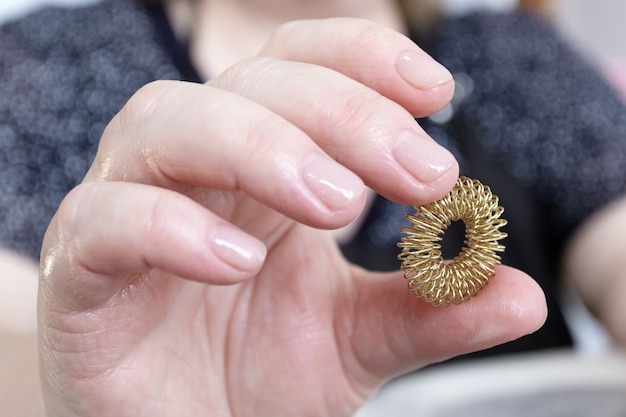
[[192, 272]]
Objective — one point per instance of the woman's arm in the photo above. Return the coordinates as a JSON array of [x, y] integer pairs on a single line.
[[595, 261]]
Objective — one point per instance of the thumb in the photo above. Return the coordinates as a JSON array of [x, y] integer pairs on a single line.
[[393, 332]]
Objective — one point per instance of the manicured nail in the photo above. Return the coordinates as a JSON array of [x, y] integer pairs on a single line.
[[236, 248], [332, 184], [421, 71], [422, 157]]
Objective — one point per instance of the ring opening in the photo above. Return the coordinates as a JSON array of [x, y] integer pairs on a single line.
[[454, 238]]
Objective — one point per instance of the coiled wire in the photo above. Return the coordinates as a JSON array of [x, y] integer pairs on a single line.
[[429, 276]]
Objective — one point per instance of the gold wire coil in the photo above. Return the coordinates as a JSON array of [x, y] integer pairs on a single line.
[[443, 283]]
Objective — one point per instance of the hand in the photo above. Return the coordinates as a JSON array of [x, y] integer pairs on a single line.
[[189, 275]]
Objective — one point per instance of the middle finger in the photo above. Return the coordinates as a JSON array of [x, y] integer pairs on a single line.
[[363, 130]]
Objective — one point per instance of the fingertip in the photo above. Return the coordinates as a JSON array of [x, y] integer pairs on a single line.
[[525, 299], [241, 255], [430, 171], [437, 188], [423, 103], [511, 306], [426, 85], [334, 185], [417, 82], [421, 156], [420, 70]]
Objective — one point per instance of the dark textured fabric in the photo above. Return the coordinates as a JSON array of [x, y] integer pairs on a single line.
[[530, 118], [538, 109], [63, 76]]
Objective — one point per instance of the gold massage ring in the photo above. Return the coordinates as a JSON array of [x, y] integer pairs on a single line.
[[443, 283]]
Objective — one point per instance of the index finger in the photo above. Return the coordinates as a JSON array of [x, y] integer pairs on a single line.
[[372, 54]]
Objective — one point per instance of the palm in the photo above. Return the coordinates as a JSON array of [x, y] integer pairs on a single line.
[[284, 331], [261, 341]]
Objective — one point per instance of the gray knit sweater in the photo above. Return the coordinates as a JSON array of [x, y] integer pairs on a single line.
[[63, 75]]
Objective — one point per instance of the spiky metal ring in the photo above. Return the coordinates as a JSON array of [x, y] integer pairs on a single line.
[[443, 283]]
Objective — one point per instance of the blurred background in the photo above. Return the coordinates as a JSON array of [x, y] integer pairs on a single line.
[[594, 381], [15, 8], [596, 27]]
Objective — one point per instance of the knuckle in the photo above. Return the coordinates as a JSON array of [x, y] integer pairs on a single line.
[[280, 37], [142, 106], [78, 199], [129, 132], [164, 210], [371, 37], [65, 228], [245, 75], [360, 111], [261, 142]]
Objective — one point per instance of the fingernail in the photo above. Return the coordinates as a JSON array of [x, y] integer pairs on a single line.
[[236, 248], [421, 71], [331, 183], [422, 157]]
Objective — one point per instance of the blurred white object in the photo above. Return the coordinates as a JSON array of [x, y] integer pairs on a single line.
[[554, 384], [12, 9], [596, 26], [460, 7], [18, 293], [614, 69]]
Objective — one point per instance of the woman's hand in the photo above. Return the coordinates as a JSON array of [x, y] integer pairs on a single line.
[[188, 274]]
